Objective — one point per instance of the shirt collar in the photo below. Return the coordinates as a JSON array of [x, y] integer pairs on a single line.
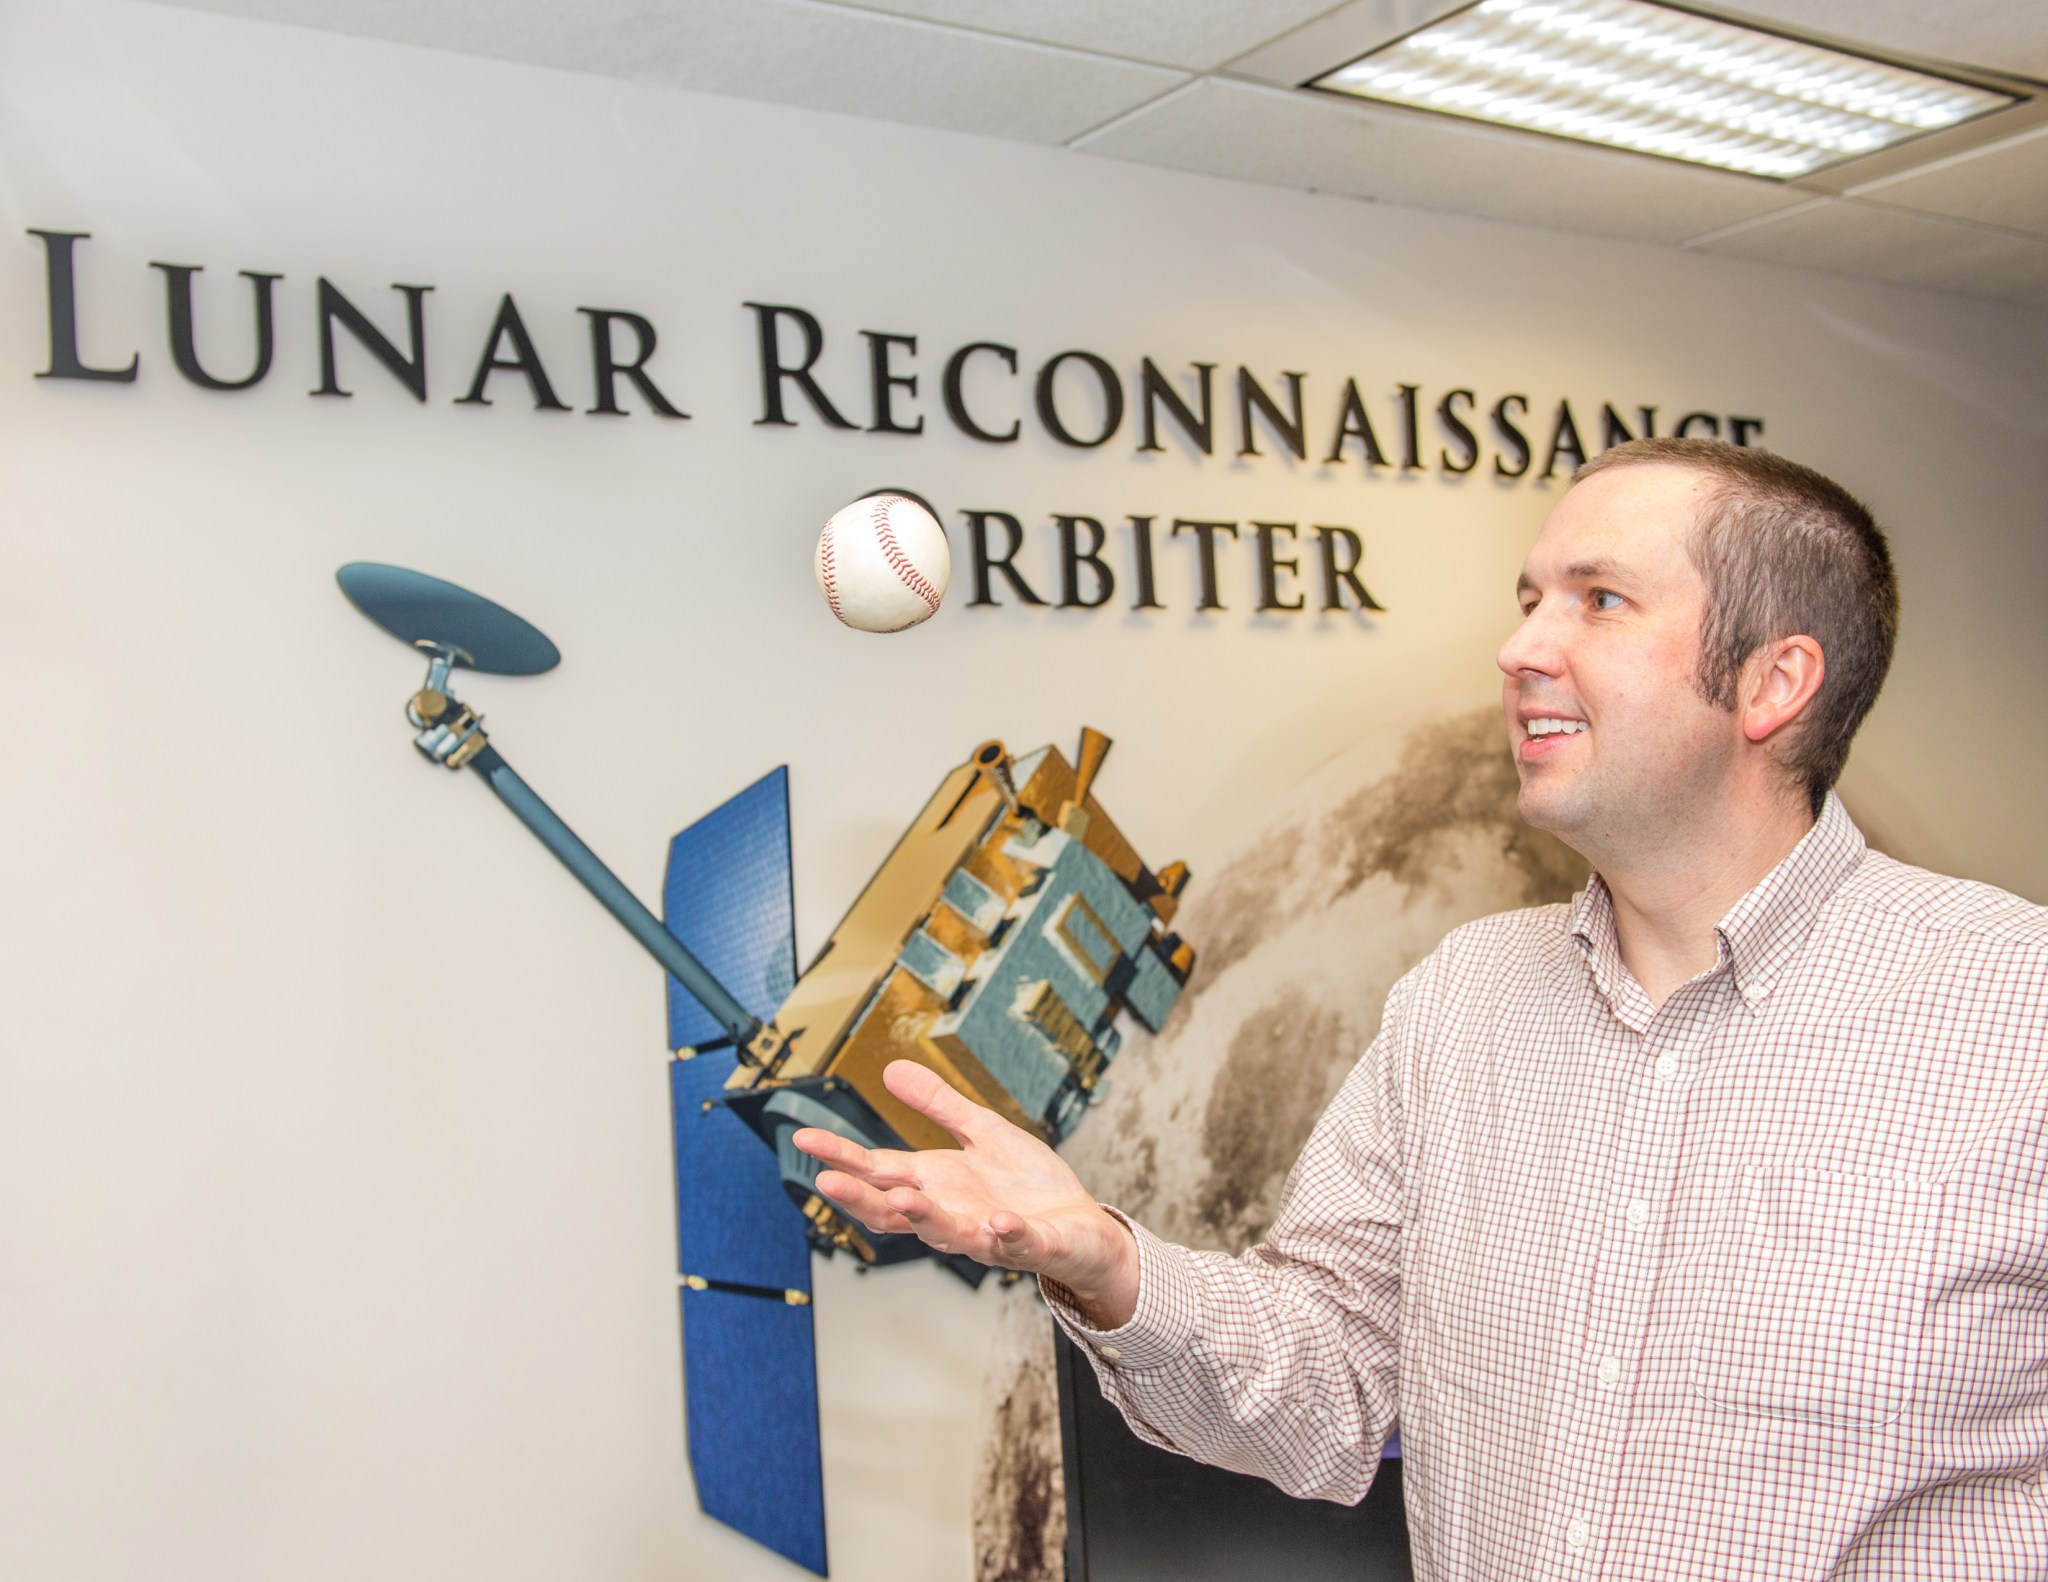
[[1761, 933], [1591, 924]]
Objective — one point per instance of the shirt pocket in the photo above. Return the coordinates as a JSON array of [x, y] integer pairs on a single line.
[[1817, 1295]]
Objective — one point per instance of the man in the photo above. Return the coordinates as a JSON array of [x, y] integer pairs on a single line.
[[1698, 1228]]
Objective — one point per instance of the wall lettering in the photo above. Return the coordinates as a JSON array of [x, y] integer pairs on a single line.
[[985, 391]]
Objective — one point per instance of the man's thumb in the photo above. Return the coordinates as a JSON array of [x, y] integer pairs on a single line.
[[1019, 1242]]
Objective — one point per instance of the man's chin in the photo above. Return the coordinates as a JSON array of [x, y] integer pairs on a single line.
[[1545, 807]]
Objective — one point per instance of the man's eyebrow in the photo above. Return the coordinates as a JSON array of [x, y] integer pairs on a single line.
[[1597, 571], [1580, 571]]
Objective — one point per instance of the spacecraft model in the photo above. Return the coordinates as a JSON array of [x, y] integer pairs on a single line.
[[997, 944]]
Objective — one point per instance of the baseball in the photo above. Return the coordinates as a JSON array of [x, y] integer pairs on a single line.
[[882, 563]]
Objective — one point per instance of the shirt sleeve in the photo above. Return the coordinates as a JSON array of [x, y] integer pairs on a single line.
[[1284, 1362]]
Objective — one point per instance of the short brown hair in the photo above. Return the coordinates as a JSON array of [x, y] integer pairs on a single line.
[[1785, 552]]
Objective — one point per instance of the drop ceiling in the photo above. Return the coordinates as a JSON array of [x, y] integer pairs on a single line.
[[1211, 86]]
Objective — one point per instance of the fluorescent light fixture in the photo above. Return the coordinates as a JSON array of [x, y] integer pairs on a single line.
[[1647, 77]]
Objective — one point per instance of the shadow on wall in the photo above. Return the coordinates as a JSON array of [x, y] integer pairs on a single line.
[[1334, 894]]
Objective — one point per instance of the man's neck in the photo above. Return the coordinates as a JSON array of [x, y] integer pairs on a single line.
[[1667, 902]]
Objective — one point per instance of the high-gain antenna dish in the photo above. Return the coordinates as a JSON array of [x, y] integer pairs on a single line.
[[433, 615]]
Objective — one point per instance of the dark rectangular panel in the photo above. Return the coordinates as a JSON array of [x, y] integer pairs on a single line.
[[1136, 1513]]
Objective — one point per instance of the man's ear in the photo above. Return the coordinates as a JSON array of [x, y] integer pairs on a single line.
[[1782, 679]]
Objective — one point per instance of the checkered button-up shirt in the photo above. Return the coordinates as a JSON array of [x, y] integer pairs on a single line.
[[1750, 1284]]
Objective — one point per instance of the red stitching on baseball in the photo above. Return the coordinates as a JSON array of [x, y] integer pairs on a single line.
[[827, 574], [892, 551]]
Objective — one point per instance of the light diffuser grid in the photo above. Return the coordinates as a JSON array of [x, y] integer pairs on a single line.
[[1646, 77]]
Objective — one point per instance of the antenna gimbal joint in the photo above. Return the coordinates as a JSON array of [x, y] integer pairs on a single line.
[[450, 732]]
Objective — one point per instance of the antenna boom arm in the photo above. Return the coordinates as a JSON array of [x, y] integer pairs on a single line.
[[611, 892]]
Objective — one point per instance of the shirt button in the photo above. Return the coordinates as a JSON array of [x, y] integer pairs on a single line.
[[1667, 1067], [1610, 1370], [1638, 1212], [1577, 1533], [1109, 1353], [1753, 993]]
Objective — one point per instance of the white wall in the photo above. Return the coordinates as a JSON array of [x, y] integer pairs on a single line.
[[335, 1236]]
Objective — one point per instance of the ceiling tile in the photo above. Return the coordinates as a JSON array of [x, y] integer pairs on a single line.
[[1997, 35], [1296, 139], [1850, 238], [1196, 34], [2005, 184], [798, 52], [1340, 35]]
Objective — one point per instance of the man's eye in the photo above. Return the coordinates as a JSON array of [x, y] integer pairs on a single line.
[[1602, 597]]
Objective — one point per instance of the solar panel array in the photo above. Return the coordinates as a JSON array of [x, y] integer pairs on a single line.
[[749, 1353]]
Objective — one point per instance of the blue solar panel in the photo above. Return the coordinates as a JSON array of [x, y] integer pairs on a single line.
[[727, 897], [752, 1372], [749, 1361], [734, 1222]]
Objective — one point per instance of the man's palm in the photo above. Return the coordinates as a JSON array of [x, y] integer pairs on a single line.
[[1002, 1197]]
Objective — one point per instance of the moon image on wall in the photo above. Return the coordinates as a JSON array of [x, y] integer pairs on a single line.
[[1331, 896]]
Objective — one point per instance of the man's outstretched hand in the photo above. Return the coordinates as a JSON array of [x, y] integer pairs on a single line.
[[1002, 1197]]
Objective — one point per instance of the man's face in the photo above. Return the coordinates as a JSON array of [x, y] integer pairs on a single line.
[[1613, 743]]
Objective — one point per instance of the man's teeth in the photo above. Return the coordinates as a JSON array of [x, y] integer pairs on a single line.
[[1555, 727]]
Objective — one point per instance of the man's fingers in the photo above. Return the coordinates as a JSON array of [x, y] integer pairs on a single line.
[[863, 1202], [925, 1091], [879, 1167], [835, 1150], [901, 1209], [1006, 1240], [932, 1223]]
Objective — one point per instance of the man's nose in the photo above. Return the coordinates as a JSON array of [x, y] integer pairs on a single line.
[[1531, 646]]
